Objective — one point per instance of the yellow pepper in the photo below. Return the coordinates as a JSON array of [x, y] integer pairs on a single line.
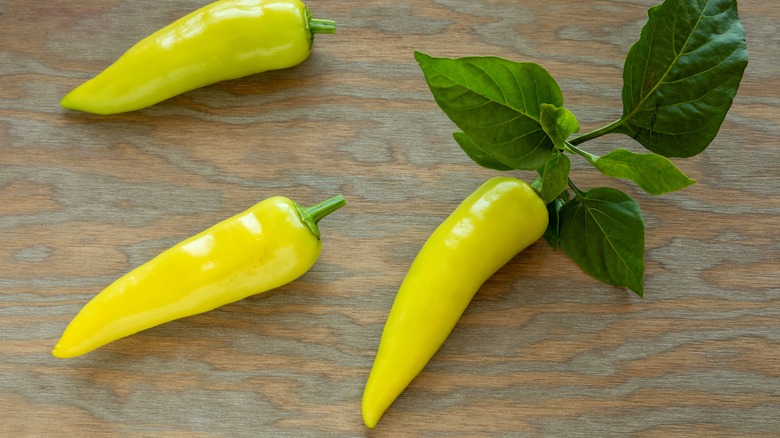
[[224, 40], [266, 246], [492, 225]]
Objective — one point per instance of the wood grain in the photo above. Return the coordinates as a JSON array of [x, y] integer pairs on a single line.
[[543, 350]]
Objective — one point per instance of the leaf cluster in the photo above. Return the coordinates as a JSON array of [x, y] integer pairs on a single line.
[[679, 80]]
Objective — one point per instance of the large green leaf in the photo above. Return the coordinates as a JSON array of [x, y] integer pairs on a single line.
[[603, 231], [477, 155], [497, 105], [653, 173], [681, 76]]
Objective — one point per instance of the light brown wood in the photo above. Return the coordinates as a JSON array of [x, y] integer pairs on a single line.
[[543, 350]]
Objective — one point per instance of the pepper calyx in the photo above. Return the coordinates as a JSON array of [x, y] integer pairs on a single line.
[[312, 215], [318, 25]]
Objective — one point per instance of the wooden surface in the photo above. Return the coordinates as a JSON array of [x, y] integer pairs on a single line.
[[543, 350]]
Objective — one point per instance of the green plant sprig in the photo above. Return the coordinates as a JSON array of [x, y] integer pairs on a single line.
[[679, 81]]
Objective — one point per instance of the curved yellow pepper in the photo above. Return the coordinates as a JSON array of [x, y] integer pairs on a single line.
[[224, 40], [266, 246], [492, 225]]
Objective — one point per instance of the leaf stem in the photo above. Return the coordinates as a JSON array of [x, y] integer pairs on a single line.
[[597, 133], [576, 191], [587, 155]]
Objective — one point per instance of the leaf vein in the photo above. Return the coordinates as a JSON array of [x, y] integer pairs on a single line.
[[672, 64]]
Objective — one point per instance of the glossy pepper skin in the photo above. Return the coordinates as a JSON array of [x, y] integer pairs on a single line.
[[266, 246], [224, 40], [492, 225]]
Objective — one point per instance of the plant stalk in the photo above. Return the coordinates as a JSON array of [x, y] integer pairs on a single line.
[[597, 133], [576, 191]]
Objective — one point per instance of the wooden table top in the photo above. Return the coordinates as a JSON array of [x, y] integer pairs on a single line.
[[543, 349]]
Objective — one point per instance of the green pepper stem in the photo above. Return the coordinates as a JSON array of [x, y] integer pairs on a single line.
[[324, 208], [317, 25], [312, 215]]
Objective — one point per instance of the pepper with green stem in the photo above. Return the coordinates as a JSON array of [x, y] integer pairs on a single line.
[[680, 79], [224, 40], [266, 246]]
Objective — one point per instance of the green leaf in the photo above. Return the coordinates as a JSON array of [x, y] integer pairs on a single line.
[[496, 103], [681, 76], [477, 155], [555, 177], [553, 232], [653, 173], [559, 124], [603, 231]]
